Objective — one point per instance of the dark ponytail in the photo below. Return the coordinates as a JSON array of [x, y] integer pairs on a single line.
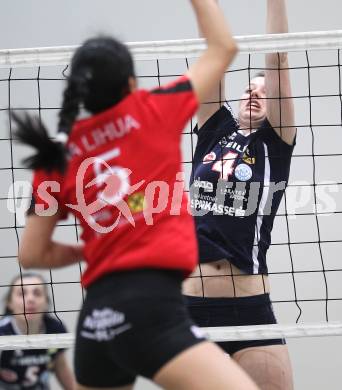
[[99, 79], [50, 155]]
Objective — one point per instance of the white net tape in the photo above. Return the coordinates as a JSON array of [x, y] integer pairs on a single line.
[[181, 48], [234, 333]]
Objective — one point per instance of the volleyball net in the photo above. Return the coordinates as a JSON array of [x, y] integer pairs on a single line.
[[304, 266]]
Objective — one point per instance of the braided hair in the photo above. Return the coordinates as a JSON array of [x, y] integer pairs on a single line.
[[99, 79]]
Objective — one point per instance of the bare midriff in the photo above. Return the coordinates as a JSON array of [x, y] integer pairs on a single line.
[[222, 279]]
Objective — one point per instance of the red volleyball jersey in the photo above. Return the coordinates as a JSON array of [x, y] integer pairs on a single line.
[[124, 183]]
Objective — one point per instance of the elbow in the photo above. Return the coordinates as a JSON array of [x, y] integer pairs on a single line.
[[228, 51], [223, 51], [233, 49], [228, 54]]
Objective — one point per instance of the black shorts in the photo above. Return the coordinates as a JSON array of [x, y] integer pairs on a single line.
[[131, 323], [253, 310]]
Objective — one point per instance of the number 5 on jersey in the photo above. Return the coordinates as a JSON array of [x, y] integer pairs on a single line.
[[115, 177]]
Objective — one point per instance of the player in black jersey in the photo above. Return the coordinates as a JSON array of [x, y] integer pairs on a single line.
[[240, 170], [30, 369]]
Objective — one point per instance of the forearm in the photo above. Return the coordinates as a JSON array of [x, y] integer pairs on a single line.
[[280, 113], [54, 255], [60, 255], [66, 380], [64, 374], [207, 71], [212, 25], [213, 101], [276, 23]]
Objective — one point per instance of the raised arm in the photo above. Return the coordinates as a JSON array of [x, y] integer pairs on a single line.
[[209, 69], [280, 112], [212, 101]]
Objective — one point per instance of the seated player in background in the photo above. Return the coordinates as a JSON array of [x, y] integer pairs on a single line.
[[245, 162], [133, 321], [27, 301]]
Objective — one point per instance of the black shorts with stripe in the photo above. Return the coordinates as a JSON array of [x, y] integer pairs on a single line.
[[252, 310], [132, 323]]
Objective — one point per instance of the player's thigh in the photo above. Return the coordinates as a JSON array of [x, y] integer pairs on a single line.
[[269, 366], [80, 387], [202, 367]]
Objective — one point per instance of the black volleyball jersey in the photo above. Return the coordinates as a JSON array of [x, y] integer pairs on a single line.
[[236, 186], [27, 369]]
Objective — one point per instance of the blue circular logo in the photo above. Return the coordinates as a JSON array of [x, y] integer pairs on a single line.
[[243, 172]]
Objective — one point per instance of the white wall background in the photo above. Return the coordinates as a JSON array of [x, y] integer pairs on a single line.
[[34, 23]]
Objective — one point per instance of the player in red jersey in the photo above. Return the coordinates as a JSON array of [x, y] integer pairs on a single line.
[[116, 172]]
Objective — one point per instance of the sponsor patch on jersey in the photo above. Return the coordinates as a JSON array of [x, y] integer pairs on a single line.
[[136, 202], [248, 159], [243, 172], [208, 187], [208, 158]]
